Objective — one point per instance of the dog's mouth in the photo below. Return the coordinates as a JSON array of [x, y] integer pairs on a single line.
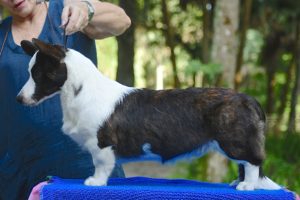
[[31, 103]]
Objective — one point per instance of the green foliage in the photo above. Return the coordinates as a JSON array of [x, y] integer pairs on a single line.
[[4, 13], [107, 56], [210, 70], [197, 169], [283, 161], [256, 86], [193, 66], [287, 148], [254, 43]]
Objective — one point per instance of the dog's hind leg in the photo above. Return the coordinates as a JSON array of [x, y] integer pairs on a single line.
[[248, 152], [254, 179], [250, 160], [250, 179], [104, 161], [241, 176]]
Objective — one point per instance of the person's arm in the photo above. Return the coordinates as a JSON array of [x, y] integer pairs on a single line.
[[108, 19]]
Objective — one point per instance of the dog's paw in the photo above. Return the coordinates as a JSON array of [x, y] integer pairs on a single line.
[[245, 186], [92, 181]]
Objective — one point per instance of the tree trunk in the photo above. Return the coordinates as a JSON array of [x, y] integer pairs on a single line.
[[295, 92], [271, 70], [223, 52], [206, 32], [239, 61], [206, 41], [269, 57], [169, 35], [284, 97], [224, 47], [125, 71]]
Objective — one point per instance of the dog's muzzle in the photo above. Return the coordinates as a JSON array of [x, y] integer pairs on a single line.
[[20, 99], [24, 101]]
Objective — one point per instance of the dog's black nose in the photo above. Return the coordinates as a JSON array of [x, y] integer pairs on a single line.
[[19, 99]]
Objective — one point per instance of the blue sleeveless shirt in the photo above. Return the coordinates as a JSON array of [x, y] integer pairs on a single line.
[[32, 144]]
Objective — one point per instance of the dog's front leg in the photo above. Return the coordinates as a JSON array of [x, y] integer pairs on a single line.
[[104, 162]]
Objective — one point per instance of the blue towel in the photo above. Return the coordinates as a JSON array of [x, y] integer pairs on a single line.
[[150, 188]]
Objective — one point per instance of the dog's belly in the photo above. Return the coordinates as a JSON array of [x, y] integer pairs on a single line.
[[148, 155]]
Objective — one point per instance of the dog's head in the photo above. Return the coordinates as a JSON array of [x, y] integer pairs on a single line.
[[47, 71]]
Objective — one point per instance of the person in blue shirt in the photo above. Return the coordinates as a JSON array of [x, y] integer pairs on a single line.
[[32, 144]]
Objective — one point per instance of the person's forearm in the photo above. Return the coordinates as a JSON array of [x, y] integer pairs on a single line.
[[108, 20]]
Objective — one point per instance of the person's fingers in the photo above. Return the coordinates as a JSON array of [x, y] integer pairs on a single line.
[[75, 24], [65, 16], [73, 18], [82, 22], [79, 22], [78, 19]]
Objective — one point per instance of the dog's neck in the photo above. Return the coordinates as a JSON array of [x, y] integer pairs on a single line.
[[87, 94]]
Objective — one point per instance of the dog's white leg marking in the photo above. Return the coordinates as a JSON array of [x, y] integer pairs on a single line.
[[253, 181], [251, 177], [104, 168], [104, 162]]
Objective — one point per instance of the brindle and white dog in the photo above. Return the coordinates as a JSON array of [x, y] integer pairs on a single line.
[[113, 121]]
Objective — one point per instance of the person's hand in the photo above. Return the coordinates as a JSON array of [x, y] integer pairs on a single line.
[[74, 16]]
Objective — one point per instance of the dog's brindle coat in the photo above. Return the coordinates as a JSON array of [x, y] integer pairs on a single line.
[[113, 120], [175, 122]]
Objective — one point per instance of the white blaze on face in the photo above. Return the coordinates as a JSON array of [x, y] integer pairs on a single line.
[[29, 88]]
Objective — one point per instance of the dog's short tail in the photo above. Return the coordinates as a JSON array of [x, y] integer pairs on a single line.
[[267, 184]]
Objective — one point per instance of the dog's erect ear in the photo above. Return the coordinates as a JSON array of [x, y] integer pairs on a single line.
[[28, 47], [55, 51]]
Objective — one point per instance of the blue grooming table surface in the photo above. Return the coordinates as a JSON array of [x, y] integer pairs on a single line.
[[150, 188]]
